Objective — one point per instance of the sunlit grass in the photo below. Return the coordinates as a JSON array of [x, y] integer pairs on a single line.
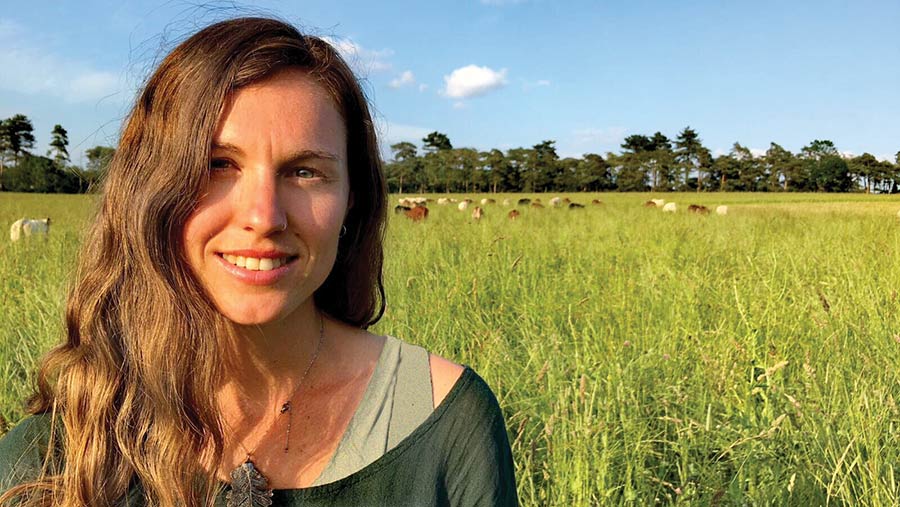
[[747, 359]]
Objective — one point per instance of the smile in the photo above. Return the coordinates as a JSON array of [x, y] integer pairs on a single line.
[[257, 264]]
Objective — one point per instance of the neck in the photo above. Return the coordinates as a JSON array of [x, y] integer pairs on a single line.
[[264, 364]]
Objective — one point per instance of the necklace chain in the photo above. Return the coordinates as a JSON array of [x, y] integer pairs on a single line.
[[287, 407]]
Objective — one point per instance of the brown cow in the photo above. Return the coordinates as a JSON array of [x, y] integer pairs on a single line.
[[597, 202], [513, 214], [535, 204], [700, 210], [649, 204], [477, 213], [417, 214]]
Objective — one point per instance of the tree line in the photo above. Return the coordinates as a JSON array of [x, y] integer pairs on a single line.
[[21, 170], [646, 163]]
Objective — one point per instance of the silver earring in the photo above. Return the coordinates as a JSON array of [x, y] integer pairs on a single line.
[[343, 231]]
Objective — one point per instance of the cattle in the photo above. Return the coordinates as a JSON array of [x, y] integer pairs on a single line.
[[535, 204], [649, 204], [29, 227], [506, 202], [698, 209], [443, 200], [524, 201], [401, 209], [462, 205], [658, 202], [487, 201], [555, 202], [566, 200], [575, 205], [409, 202], [670, 207], [721, 210], [597, 202], [417, 214], [477, 213], [513, 214]]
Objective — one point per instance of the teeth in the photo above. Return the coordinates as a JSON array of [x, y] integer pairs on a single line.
[[254, 264]]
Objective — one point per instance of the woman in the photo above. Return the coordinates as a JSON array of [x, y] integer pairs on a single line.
[[216, 333]]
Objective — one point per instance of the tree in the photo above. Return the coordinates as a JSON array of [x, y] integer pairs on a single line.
[[593, 174], [436, 141], [784, 169], [405, 165], [39, 174], [99, 158], [545, 168], [18, 135], [689, 155], [828, 172], [59, 143]]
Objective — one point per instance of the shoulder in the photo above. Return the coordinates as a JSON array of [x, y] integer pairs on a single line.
[[477, 457], [444, 375], [23, 450]]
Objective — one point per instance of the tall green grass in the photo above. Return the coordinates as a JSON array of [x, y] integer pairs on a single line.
[[639, 357]]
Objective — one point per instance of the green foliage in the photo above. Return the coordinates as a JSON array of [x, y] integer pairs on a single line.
[[16, 137], [59, 143], [437, 141], [40, 174]]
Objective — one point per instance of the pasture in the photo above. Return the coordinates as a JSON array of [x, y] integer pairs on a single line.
[[640, 358]]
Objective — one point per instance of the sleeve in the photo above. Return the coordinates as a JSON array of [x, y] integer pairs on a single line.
[[22, 451], [480, 469]]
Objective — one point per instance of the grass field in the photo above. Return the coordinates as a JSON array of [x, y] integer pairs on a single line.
[[640, 358]]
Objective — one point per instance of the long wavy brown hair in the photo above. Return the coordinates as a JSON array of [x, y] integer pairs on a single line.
[[132, 383]]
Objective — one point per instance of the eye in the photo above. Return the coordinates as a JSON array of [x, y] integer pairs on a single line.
[[304, 173], [220, 165]]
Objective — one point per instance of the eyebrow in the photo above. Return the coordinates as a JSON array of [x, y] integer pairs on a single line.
[[293, 157]]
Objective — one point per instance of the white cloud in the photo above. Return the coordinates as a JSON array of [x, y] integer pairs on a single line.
[[459, 105], [404, 79], [472, 81], [363, 61], [423, 87], [29, 70], [758, 152]]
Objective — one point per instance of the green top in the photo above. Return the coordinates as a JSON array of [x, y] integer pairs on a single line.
[[460, 456]]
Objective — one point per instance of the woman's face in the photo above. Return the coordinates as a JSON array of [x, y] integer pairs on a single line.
[[264, 235]]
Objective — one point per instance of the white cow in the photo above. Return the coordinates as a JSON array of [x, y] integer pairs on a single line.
[[658, 202], [721, 210], [670, 207], [556, 202], [463, 205], [28, 227]]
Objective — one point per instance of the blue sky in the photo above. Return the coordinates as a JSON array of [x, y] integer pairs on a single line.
[[508, 73]]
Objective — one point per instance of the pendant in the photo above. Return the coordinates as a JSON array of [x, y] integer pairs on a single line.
[[249, 488]]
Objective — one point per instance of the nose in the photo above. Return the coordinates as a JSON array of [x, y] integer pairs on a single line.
[[260, 209]]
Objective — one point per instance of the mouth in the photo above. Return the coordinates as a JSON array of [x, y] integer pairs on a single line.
[[258, 263]]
